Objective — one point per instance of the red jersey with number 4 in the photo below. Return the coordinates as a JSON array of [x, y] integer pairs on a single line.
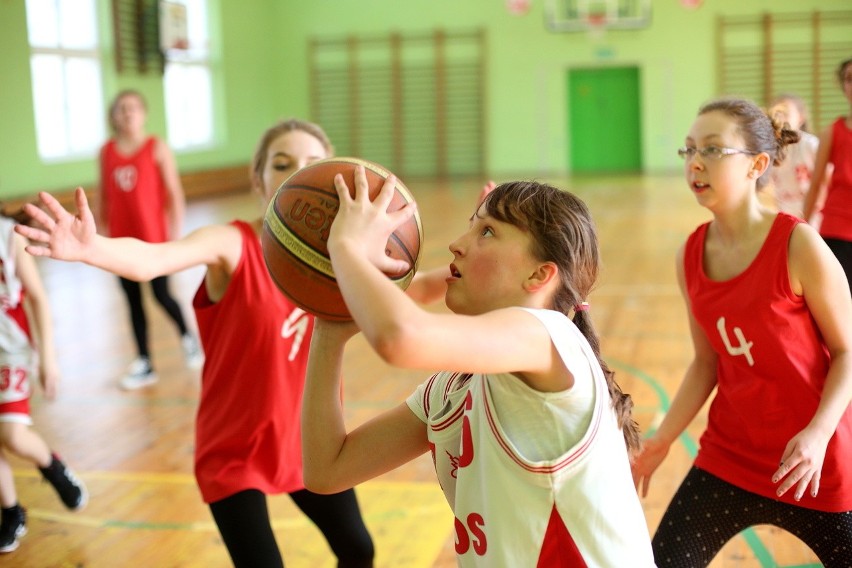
[[772, 366], [134, 194], [248, 431]]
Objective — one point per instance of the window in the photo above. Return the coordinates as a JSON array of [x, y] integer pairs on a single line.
[[66, 77], [188, 82]]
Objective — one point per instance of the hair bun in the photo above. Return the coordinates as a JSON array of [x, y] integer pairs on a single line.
[[784, 136]]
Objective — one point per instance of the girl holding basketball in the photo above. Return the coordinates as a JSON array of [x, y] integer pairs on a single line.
[[529, 433], [247, 427], [770, 313]]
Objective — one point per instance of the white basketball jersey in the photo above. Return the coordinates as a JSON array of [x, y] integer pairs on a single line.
[[576, 507], [17, 357]]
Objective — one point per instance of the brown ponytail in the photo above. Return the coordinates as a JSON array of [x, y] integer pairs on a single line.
[[563, 233]]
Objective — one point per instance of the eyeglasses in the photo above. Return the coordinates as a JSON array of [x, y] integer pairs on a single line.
[[710, 152]]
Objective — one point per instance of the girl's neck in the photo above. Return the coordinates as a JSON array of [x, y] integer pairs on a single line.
[[130, 139], [738, 225]]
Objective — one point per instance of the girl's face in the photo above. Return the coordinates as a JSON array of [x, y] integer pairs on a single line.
[[128, 115], [722, 179], [491, 262], [786, 111], [289, 152]]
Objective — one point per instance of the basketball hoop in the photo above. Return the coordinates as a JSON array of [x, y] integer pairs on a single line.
[[594, 17], [518, 7], [596, 24]]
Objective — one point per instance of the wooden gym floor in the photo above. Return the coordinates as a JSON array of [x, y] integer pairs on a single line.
[[134, 450]]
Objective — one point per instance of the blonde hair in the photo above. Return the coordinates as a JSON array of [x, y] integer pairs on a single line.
[[258, 161]]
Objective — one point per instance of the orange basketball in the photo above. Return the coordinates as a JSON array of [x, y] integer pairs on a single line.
[[296, 227]]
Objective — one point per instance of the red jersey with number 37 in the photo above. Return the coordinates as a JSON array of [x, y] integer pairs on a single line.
[[771, 371], [18, 359]]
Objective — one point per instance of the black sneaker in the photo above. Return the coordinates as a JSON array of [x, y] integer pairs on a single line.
[[71, 490], [12, 527]]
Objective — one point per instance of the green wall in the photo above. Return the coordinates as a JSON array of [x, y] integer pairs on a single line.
[[262, 64]]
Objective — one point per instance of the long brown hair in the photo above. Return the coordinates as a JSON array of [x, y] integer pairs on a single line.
[[562, 232]]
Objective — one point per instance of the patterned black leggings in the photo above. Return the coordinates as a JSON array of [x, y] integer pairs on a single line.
[[707, 512]]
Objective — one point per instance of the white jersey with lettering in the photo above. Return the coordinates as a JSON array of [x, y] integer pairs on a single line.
[[534, 478], [18, 359]]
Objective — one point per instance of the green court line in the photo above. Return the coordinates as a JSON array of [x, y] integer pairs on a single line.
[[764, 557]]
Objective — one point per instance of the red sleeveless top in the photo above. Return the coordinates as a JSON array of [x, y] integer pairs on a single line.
[[248, 429], [772, 365], [134, 194], [837, 211]]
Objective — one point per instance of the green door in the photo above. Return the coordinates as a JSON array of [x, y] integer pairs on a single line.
[[603, 120]]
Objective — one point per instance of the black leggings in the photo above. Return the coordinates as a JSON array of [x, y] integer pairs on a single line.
[[707, 512], [843, 251], [243, 521], [160, 287]]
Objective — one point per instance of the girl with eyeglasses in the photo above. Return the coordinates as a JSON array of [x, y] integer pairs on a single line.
[[771, 324], [835, 150]]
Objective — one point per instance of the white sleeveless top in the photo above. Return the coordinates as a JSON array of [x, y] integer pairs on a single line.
[[18, 359], [535, 478]]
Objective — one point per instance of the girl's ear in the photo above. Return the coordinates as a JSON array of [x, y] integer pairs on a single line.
[[257, 184], [544, 275], [760, 164]]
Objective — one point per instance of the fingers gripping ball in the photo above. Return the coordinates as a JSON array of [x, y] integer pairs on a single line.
[[296, 228]]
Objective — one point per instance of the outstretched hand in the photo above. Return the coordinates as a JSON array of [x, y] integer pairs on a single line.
[[59, 234], [364, 225], [650, 457]]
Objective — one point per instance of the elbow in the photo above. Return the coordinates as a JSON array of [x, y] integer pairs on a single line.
[[317, 482], [397, 345]]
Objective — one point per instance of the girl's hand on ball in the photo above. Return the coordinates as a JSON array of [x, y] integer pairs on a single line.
[[363, 227]]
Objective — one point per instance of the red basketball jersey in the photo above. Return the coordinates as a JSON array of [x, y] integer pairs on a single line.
[[248, 433], [837, 211], [134, 194], [771, 372]]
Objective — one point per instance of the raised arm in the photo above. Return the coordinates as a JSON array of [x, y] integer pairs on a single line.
[[698, 382], [334, 460], [406, 335], [64, 236]]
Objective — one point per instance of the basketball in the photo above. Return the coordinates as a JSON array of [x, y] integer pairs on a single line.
[[296, 228]]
